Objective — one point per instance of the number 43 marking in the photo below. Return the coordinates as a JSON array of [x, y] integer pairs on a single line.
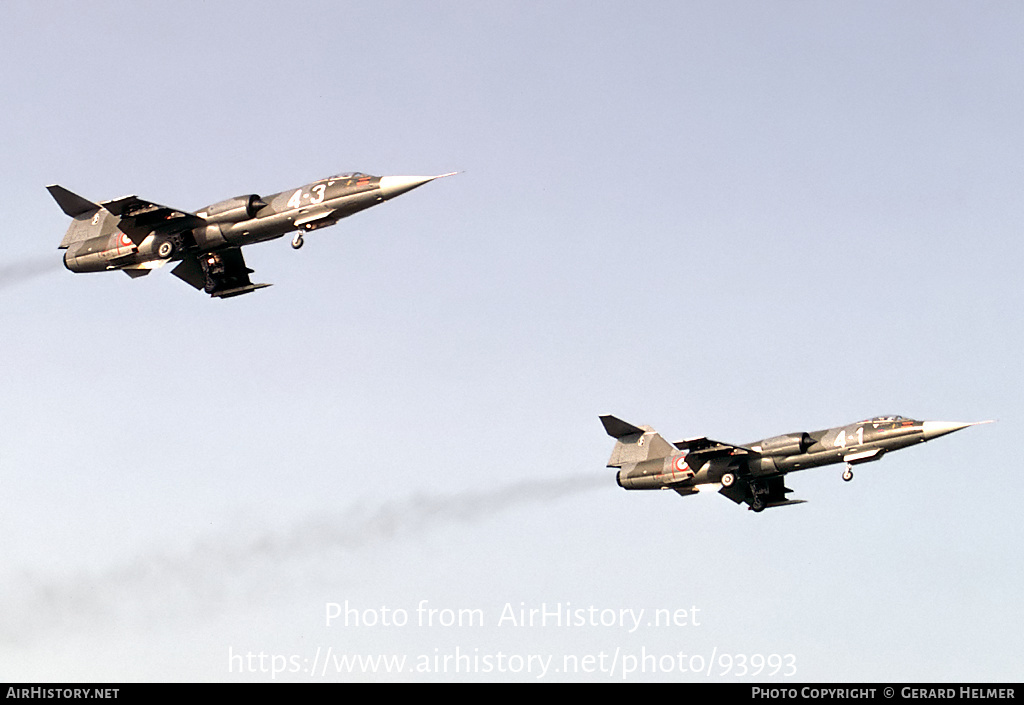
[[315, 195]]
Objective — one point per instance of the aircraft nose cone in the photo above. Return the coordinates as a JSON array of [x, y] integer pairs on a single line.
[[934, 429], [391, 186]]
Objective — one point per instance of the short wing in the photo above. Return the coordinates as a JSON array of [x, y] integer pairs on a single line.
[[191, 272], [737, 492], [772, 492], [703, 449], [222, 274], [139, 218]]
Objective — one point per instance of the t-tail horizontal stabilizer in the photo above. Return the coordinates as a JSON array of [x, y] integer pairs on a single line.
[[71, 203], [617, 428]]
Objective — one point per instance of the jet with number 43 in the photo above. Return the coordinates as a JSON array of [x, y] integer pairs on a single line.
[[137, 236], [754, 473]]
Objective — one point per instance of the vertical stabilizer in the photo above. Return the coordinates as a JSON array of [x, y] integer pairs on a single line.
[[634, 444], [84, 225]]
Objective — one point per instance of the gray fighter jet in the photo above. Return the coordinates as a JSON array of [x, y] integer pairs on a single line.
[[754, 473], [137, 236]]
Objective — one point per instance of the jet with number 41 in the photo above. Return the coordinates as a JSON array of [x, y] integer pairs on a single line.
[[754, 473], [137, 236]]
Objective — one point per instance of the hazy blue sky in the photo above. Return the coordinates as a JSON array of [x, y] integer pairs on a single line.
[[733, 219]]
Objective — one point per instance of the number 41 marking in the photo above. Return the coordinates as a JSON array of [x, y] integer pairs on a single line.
[[840, 441]]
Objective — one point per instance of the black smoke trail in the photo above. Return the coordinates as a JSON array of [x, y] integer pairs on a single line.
[[37, 604], [14, 273]]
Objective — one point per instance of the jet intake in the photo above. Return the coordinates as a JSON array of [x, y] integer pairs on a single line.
[[789, 444], [233, 210]]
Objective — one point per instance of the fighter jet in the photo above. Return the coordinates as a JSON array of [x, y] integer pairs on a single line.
[[754, 473], [137, 236]]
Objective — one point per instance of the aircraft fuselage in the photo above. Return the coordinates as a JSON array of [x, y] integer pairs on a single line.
[[753, 472], [232, 222], [136, 236]]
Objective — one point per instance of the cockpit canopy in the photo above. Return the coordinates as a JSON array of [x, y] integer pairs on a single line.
[[885, 419]]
